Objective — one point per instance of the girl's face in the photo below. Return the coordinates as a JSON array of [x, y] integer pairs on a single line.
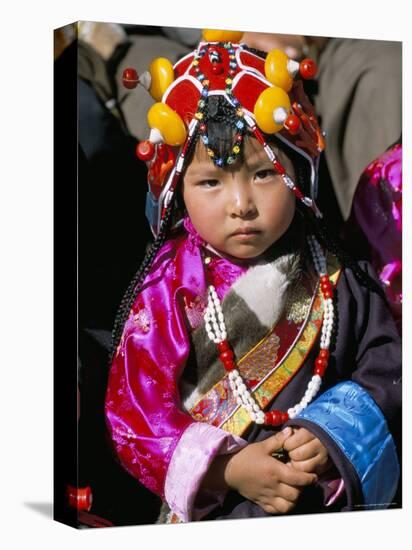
[[241, 209]]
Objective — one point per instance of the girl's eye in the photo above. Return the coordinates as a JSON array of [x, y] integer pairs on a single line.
[[264, 174], [209, 183]]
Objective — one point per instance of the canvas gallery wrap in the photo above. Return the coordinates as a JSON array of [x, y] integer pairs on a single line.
[[228, 212]]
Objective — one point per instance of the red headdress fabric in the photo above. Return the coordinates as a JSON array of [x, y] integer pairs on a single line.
[[262, 93]]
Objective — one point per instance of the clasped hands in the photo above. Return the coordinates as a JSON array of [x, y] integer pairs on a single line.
[[270, 483]]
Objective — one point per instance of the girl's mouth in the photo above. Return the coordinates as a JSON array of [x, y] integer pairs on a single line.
[[246, 231], [245, 234]]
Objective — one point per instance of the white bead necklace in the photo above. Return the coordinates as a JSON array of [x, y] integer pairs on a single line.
[[217, 333]]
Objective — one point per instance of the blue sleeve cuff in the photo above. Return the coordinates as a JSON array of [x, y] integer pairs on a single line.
[[352, 419]]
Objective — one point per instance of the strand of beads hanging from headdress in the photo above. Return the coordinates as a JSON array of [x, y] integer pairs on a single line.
[[266, 95]]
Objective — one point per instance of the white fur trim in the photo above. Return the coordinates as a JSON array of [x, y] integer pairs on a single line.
[[263, 289]]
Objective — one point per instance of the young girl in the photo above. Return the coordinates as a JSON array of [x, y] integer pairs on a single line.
[[255, 367]]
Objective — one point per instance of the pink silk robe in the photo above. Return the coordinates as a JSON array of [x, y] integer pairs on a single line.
[[156, 440]]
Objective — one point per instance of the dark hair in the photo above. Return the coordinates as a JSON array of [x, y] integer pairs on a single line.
[[221, 125]]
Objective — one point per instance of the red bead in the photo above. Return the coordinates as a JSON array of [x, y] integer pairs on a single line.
[[328, 294], [79, 497], [239, 138], [277, 418], [308, 68], [223, 346], [145, 150], [202, 127], [232, 72], [285, 417], [324, 354], [325, 286], [130, 78], [324, 278], [227, 355], [229, 365], [292, 124], [320, 366], [274, 418], [320, 371]]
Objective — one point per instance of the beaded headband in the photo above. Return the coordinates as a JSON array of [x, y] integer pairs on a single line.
[[263, 93]]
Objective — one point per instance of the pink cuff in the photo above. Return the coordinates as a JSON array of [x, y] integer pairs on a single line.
[[192, 457], [332, 489]]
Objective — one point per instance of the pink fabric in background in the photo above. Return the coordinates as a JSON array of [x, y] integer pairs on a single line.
[[377, 209]]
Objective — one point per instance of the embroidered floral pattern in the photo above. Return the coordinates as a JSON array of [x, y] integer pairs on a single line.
[[195, 310], [142, 319]]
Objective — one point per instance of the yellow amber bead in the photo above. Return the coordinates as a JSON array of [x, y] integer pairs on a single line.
[[276, 70], [211, 35], [268, 101], [162, 73], [168, 122]]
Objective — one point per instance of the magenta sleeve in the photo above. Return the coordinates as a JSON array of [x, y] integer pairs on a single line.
[[143, 409]]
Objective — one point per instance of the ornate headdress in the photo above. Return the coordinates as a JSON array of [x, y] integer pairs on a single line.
[[262, 92]]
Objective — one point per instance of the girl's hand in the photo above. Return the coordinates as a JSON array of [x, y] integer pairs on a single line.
[[256, 475], [306, 452]]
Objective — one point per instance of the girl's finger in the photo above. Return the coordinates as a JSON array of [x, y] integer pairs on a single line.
[[282, 506], [317, 464], [288, 492], [300, 437], [277, 441], [307, 451], [291, 476]]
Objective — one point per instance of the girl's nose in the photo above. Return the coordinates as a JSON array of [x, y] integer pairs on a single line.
[[241, 201]]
